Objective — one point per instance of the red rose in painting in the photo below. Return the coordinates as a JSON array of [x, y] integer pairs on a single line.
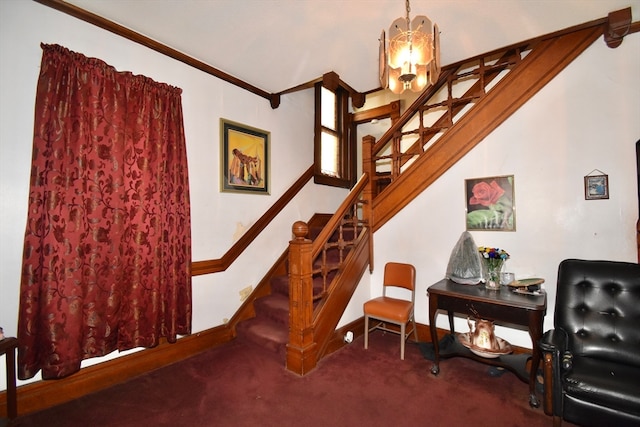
[[486, 194]]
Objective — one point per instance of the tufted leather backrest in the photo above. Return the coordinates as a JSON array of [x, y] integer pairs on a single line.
[[598, 306]]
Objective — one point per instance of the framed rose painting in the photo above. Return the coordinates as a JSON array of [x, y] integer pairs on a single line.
[[490, 203]]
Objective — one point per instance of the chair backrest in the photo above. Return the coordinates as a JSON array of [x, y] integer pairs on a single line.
[[399, 275], [598, 306]]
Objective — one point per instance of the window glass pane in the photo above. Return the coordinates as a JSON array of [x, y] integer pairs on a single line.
[[328, 100], [329, 160]]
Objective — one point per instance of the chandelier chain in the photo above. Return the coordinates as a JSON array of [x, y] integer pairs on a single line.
[[409, 28], [408, 10]]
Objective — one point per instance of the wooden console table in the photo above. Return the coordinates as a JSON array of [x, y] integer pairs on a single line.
[[8, 347], [526, 311]]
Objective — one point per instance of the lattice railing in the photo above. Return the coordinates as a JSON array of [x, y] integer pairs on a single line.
[[438, 109], [334, 251]]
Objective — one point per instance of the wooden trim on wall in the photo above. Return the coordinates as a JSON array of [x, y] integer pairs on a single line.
[[128, 34], [216, 265], [40, 395], [391, 110]]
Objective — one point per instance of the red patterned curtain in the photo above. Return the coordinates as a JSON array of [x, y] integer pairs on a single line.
[[107, 252]]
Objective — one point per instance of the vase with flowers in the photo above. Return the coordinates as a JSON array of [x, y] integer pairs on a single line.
[[493, 259]]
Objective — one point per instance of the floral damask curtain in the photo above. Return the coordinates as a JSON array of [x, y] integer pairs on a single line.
[[107, 252]]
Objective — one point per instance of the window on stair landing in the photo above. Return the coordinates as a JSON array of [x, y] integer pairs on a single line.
[[334, 154]]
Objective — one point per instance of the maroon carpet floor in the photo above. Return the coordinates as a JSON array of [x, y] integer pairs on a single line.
[[240, 385]]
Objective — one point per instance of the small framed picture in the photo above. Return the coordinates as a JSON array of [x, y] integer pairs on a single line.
[[244, 158], [596, 187]]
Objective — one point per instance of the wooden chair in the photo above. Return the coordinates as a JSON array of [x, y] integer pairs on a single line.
[[387, 309]]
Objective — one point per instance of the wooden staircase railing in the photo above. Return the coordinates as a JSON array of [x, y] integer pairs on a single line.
[[469, 101], [312, 323], [221, 264]]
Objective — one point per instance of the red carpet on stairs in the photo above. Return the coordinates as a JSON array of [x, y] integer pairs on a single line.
[[238, 384]]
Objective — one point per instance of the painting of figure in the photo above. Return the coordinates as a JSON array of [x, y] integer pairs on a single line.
[[245, 158]]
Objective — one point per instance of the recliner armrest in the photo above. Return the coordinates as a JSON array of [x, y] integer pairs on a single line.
[[553, 346], [554, 341]]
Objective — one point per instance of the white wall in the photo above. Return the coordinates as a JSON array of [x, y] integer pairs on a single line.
[[587, 118], [217, 218]]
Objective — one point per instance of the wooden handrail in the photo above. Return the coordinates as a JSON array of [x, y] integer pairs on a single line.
[[221, 264], [333, 223]]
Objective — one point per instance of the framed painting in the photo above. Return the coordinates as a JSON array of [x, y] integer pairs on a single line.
[[596, 187], [244, 158], [490, 203]]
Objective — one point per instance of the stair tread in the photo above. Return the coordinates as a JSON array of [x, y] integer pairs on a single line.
[[264, 333]]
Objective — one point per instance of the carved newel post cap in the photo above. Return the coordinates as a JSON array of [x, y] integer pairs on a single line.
[[300, 229]]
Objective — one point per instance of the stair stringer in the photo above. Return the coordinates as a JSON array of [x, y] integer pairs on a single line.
[[538, 68], [330, 310]]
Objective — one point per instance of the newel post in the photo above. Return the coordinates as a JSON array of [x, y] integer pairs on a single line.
[[369, 168], [301, 349]]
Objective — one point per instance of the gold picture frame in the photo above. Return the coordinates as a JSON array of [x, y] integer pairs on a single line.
[[244, 158]]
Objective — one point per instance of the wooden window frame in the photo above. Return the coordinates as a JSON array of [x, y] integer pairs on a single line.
[[346, 149]]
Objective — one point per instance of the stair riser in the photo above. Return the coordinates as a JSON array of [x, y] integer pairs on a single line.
[[275, 313], [264, 334]]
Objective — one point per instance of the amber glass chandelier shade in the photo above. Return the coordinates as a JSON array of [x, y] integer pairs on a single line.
[[410, 45], [412, 54]]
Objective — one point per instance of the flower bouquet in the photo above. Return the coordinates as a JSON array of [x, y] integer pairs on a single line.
[[493, 259]]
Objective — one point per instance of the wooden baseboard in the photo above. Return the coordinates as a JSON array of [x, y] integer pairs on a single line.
[[47, 393]]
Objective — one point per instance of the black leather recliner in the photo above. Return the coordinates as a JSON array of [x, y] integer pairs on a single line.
[[591, 359]]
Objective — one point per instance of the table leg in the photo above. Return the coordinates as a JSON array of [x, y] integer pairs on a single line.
[[535, 332], [433, 308], [8, 347]]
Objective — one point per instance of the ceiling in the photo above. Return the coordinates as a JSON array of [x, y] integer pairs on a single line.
[[279, 44]]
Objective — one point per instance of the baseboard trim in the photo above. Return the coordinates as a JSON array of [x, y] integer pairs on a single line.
[[41, 395], [44, 394]]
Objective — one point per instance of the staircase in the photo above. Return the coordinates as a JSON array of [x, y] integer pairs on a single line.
[[297, 317], [269, 329]]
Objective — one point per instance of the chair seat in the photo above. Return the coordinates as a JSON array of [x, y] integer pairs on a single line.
[[385, 309], [613, 385], [392, 309]]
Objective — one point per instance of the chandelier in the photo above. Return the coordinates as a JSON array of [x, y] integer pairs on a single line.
[[412, 58]]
